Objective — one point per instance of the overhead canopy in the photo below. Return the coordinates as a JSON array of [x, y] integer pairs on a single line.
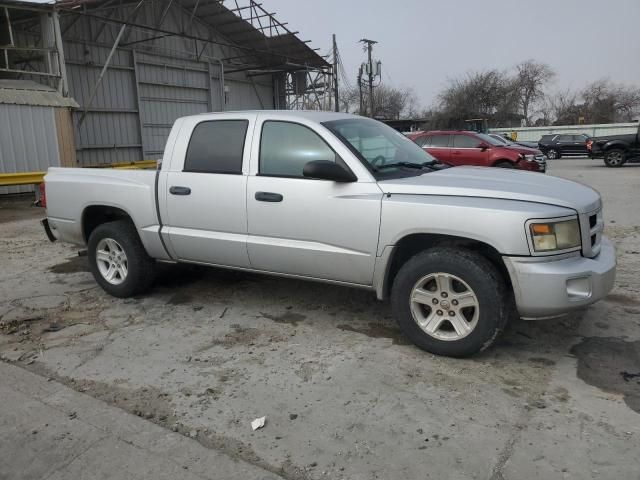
[[26, 92], [265, 42], [259, 30]]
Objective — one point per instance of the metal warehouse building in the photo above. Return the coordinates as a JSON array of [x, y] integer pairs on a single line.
[[133, 67]]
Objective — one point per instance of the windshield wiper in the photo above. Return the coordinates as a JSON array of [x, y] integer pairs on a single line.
[[417, 166], [400, 164]]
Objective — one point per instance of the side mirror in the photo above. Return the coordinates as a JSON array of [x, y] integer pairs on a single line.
[[327, 170], [484, 147]]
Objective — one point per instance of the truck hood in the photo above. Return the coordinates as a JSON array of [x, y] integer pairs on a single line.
[[499, 183]]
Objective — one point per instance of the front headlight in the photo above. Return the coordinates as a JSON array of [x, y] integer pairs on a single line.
[[529, 158], [557, 235]]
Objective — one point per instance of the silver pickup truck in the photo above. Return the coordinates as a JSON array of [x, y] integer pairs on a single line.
[[343, 199]]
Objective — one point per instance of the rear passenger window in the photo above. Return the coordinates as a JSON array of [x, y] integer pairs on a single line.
[[465, 141], [440, 141], [217, 147], [285, 148], [565, 138]]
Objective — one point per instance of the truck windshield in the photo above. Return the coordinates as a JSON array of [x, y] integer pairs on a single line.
[[384, 151]]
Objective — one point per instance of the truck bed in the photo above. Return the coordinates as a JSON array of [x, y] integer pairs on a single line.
[[70, 191]]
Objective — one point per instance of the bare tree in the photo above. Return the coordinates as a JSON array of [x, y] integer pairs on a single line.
[[350, 100], [487, 94], [599, 102], [392, 103], [564, 107], [389, 102], [545, 112], [531, 78], [627, 102]]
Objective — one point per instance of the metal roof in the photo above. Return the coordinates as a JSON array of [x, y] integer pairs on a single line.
[[267, 42], [27, 92], [249, 31]]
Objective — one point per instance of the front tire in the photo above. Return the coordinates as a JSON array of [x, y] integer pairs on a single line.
[[450, 301], [615, 158], [553, 154], [504, 164], [118, 260]]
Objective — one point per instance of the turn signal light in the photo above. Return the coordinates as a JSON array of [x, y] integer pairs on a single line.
[[541, 228]]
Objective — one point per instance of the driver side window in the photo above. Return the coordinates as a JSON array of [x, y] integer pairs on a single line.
[[285, 148]]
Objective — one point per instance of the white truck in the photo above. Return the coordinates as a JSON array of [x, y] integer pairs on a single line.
[[344, 199]]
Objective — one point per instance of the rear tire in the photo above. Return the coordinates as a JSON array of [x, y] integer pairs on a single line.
[[118, 260], [553, 154], [615, 158], [450, 301]]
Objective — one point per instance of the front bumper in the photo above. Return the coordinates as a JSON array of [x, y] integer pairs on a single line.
[[544, 287], [533, 166]]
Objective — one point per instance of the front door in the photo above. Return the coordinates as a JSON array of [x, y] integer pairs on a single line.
[[206, 218], [466, 151], [301, 226]]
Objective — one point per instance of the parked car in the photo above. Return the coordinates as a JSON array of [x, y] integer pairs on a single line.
[[559, 145], [347, 200], [508, 141], [616, 149], [456, 147]]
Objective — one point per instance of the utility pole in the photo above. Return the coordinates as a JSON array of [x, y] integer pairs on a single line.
[[370, 44], [360, 90], [335, 73]]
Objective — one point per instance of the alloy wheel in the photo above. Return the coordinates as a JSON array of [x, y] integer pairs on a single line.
[[444, 306], [112, 261]]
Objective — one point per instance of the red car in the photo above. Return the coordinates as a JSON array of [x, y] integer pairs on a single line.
[[472, 148]]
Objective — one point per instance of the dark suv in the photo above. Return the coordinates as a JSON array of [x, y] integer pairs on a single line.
[[561, 144], [454, 147]]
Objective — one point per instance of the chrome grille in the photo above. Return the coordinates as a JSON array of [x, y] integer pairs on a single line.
[[591, 226]]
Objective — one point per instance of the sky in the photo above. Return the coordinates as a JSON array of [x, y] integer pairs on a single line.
[[422, 43]]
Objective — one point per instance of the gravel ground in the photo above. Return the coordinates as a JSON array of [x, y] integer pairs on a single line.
[[344, 394]]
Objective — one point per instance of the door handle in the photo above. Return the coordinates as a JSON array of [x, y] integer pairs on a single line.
[[180, 191], [268, 197]]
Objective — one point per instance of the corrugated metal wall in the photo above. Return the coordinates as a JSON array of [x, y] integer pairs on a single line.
[[146, 89], [28, 141]]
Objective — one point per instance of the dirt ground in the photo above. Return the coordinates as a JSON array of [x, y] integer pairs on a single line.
[[344, 394]]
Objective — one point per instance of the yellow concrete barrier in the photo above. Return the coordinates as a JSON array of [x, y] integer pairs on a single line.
[[32, 178]]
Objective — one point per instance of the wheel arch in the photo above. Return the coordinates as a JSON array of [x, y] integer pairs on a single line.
[[96, 215], [503, 160], [615, 144], [414, 243]]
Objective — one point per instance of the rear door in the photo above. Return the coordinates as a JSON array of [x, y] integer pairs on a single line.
[[439, 147], [580, 144], [565, 144], [466, 151], [205, 191]]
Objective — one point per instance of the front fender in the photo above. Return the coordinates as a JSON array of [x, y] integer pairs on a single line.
[[615, 144], [498, 223]]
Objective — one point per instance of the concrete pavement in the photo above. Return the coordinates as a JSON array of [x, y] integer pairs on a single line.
[[345, 395], [48, 431]]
